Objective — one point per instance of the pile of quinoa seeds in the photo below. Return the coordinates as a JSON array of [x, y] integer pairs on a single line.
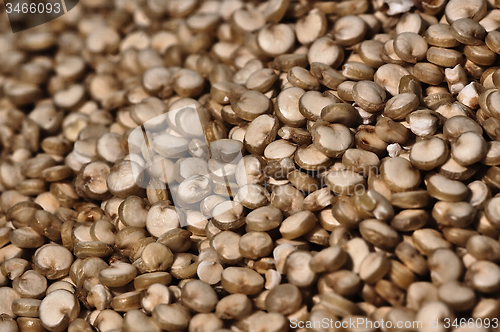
[[252, 166]]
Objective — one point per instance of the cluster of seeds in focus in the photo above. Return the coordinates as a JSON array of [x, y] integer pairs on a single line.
[[352, 167]]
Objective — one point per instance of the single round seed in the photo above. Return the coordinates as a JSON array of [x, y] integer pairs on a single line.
[[369, 96], [241, 280], [483, 276], [444, 266], [264, 218], [410, 47], [297, 268], [198, 296], [357, 71], [226, 244], [117, 275], [276, 39], [254, 245], [312, 102], [483, 248], [234, 306], [30, 285], [440, 35], [428, 154], [469, 148], [58, 309], [409, 220], [399, 174], [171, 316], [298, 224], [468, 31], [445, 189], [379, 234], [285, 299], [331, 139]]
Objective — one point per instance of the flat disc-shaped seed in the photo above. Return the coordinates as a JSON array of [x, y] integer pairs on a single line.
[[252, 196], [492, 156], [71, 97], [468, 31], [279, 149], [349, 30], [357, 71], [228, 215], [342, 113], [158, 81], [399, 106], [149, 109], [427, 154], [440, 35], [457, 9], [379, 234], [492, 103], [312, 102], [369, 96], [190, 121], [261, 80], [298, 224], [311, 27], [370, 51], [456, 296], [328, 260], [125, 178], [276, 39], [332, 140], [70, 68], [188, 83], [492, 40], [118, 274], [250, 104], [58, 309], [53, 261], [374, 267], [410, 47], [194, 189], [326, 51], [302, 78], [248, 20], [388, 76], [242, 280], [484, 276], [455, 214], [260, 133], [170, 146], [310, 158], [409, 220], [344, 182], [484, 248], [469, 148], [94, 177], [399, 174], [442, 188], [428, 73], [226, 150], [161, 218], [264, 218], [287, 109]]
